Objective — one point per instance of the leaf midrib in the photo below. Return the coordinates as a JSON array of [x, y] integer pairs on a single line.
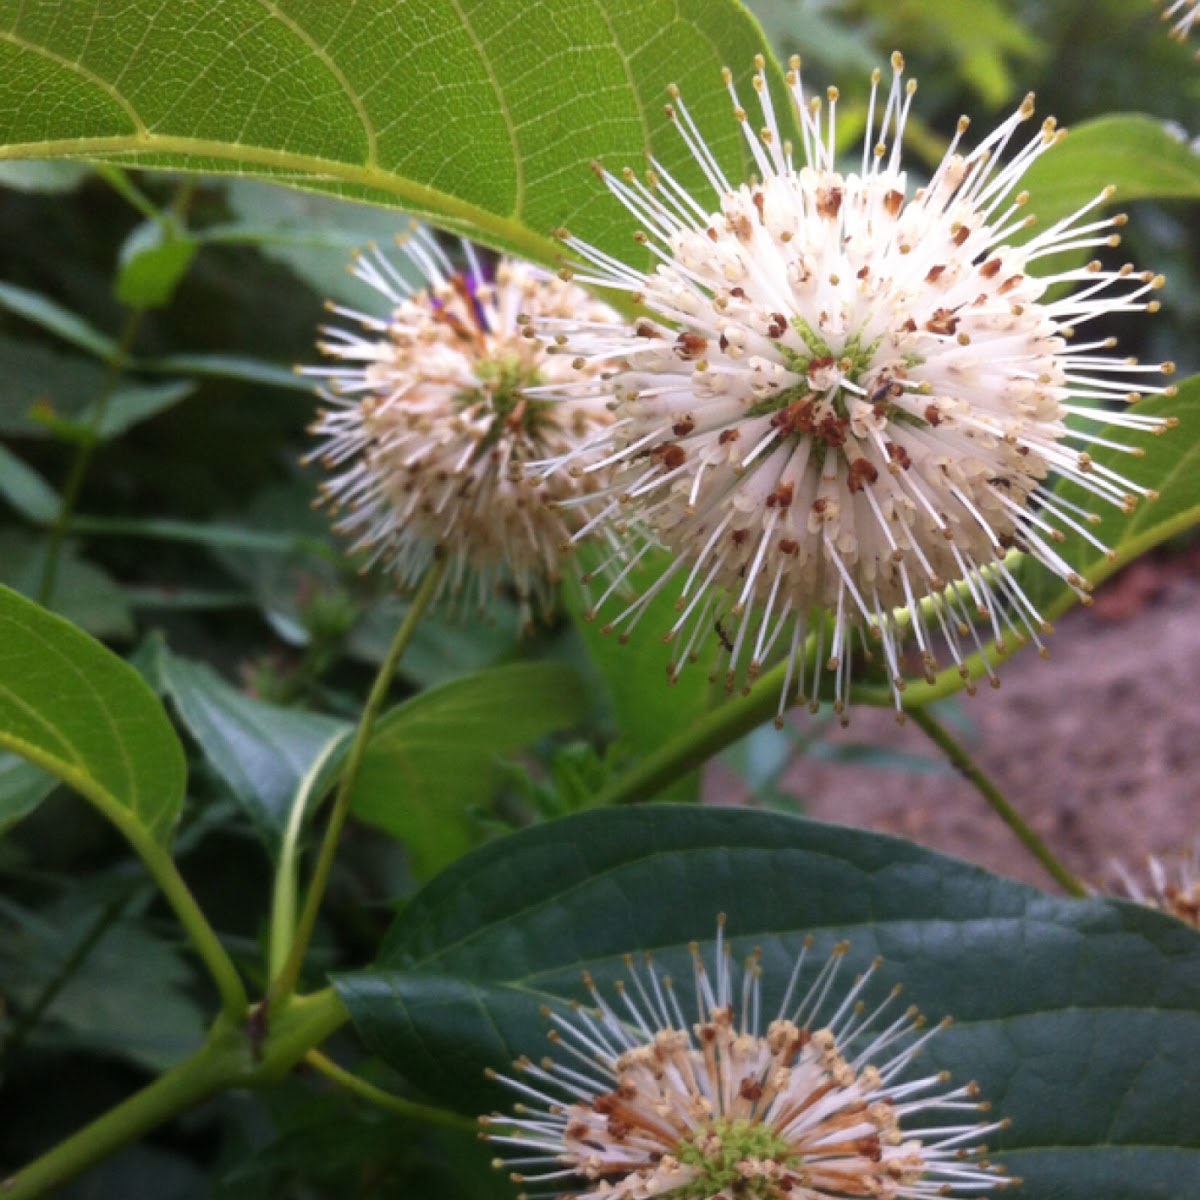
[[450, 210]]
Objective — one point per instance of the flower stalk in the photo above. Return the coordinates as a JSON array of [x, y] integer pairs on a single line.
[[971, 771], [285, 982]]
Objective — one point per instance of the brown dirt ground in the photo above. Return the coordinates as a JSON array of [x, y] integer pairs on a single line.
[[1099, 748]]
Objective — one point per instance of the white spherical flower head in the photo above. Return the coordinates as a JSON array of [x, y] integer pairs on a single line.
[[819, 1102], [853, 395], [429, 422]]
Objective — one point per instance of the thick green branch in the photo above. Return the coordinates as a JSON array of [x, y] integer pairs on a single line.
[[231, 1057]]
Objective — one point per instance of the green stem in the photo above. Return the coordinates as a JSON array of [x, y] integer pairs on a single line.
[[286, 889], [220, 966], [119, 181], [381, 1099], [696, 744], [215, 1065], [285, 982], [83, 458], [229, 1058], [963, 762]]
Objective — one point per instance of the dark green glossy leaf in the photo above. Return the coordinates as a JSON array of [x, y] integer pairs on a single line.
[[488, 128], [262, 751], [75, 709], [1079, 1019], [436, 757]]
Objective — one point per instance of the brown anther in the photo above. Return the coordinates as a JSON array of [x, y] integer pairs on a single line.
[[893, 202], [943, 321], [961, 236], [728, 435], [933, 414], [862, 473], [690, 346], [898, 454], [669, 454], [713, 235], [935, 273], [1011, 282], [646, 330], [782, 496], [787, 546], [759, 201], [740, 227], [739, 536], [684, 427], [990, 268], [829, 201]]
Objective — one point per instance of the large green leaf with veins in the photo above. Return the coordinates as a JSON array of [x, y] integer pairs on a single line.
[[482, 115], [1079, 1019]]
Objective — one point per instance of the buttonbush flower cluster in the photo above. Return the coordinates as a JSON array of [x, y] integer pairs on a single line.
[[851, 399], [429, 422], [819, 1101]]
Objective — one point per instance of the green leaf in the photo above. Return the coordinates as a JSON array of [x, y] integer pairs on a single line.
[[44, 391], [441, 650], [1139, 155], [236, 367], [22, 788], [152, 264], [84, 594], [26, 490], [648, 709], [72, 707], [133, 403], [1171, 465], [44, 177], [435, 757], [262, 751], [488, 128], [316, 236], [103, 1005], [51, 316], [36, 381], [1079, 1019]]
